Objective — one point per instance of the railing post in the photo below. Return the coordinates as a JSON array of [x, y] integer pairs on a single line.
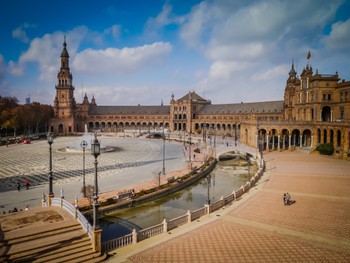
[[76, 207], [189, 216], [96, 240], [207, 209], [134, 236], [234, 195], [165, 226]]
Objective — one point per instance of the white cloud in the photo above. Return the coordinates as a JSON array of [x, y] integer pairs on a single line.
[[154, 25], [119, 61], [339, 37], [114, 30], [45, 51], [20, 33]]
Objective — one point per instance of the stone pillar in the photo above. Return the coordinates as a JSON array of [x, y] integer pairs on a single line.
[[320, 115], [290, 142], [165, 226], [284, 142], [257, 141], [50, 199], [267, 143], [312, 141], [189, 219], [96, 240], [134, 236], [301, 141], [331, 115], [278, 142], [273, 142], [207, 209]]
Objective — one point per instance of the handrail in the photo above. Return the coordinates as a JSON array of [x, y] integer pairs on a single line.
[[74, 212]]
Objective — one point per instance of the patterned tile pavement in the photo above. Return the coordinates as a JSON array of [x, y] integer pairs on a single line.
[[259, 228]]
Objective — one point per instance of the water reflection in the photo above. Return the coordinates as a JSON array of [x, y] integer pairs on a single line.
[[225, 178]]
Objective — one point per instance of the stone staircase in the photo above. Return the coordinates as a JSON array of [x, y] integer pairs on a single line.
[[51, 241]]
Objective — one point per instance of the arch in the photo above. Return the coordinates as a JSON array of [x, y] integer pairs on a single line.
[[97, 125], [109, 124], [91, 125], [324, 135], [295, 137], [331, 137], [326, 113], [339, 141], [285, 139], [103, 124], [60, 128], [306, 139]]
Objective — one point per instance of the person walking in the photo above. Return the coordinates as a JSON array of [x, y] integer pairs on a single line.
[[27, 184], [19, 186]]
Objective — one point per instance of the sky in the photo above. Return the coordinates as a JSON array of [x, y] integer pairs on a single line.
[[128, 52]]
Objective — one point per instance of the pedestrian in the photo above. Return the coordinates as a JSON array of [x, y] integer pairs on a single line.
[[19, 186], [27, 184], [285, 199], [27, 208]]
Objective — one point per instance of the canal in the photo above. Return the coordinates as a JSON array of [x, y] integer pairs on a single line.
[[226, 177]]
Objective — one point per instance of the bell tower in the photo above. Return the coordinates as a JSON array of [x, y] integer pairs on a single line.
[[64, 103]]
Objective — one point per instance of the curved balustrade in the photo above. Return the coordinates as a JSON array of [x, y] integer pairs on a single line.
[[74, 212], [168, 225]]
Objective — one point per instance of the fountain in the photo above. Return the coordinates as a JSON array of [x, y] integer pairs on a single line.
[[85, 140]]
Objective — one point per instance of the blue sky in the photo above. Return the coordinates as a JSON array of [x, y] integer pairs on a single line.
[[140, 52]]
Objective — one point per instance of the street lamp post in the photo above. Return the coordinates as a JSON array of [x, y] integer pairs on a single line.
[[83, 145], [248, 162], [208, 183], [50, 142], [260, 147], [95, 151]]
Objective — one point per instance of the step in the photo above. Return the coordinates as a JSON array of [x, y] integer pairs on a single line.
[[53, 254], [94, 257], [26, 248], [77, 256], [42, 234], [29, 255]]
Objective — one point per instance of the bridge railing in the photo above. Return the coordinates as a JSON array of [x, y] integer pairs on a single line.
[[74, 211]]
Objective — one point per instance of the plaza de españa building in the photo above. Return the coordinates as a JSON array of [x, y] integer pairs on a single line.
[[315, 110]]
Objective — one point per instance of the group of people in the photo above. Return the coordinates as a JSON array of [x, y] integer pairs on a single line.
[[27, 184], [287, 199]]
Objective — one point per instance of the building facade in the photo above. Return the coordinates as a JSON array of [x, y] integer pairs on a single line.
[[315, 110]]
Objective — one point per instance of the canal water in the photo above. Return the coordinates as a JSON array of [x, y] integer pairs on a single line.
[[226, 177]]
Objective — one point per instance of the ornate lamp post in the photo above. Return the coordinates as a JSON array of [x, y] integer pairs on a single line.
[[50, 142], [95, 151], [208, 183], [83, 145], [248, 162]]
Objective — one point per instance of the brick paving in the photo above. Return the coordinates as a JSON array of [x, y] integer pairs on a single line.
[[259, 228]]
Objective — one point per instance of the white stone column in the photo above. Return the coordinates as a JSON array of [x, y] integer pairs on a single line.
[[301, 141], [307, 96], [278, 142], [307, 83], [312, 141], [331, 115], [284, 141], [320, 115], [257, 141], [289, 142], [267, 143]]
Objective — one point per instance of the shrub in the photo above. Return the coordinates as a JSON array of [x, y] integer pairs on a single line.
[[326, 149]]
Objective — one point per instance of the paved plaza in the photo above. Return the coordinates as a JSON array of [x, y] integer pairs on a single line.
[[259, 227], [133, 161]]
